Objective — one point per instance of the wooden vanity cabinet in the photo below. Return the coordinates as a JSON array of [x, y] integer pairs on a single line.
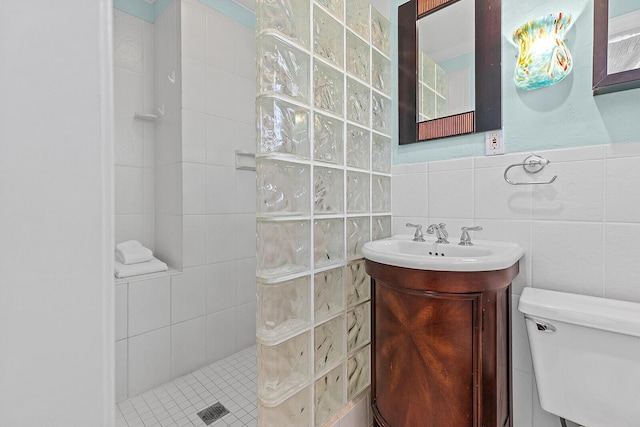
[[441, 348]]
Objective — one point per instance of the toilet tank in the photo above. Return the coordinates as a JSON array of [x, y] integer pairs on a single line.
[[586, 356]]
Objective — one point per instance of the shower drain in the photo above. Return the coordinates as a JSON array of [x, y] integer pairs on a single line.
[[213, 413]]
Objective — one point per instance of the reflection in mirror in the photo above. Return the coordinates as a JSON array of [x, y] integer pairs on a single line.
[[446, 62], [469, 99], [624, 36], [616, 45]]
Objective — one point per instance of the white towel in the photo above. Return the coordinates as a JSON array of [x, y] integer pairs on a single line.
[[153, 266], [132, 252]]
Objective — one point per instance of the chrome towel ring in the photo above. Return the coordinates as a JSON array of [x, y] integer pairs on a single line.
[[532, 164]]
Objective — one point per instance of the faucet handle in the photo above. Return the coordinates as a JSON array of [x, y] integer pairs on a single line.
[[465, 239], [418, 236]]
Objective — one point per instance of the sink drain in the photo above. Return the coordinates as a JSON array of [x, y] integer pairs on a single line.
[[213, 413]]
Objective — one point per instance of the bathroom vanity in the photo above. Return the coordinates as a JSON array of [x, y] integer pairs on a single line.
[[441, 350]]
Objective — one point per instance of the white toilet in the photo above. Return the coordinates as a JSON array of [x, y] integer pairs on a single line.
[[586, 356]]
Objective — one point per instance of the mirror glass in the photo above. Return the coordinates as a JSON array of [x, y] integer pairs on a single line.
[[467, 97], [446, 61], [624, 36]]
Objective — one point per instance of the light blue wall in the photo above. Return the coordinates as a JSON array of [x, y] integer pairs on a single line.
[[233, 11], [149, 13], [560, 116], [138, 8]]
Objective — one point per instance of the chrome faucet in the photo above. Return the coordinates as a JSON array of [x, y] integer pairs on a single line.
[[440, 231], [418, 237], [465, 239]]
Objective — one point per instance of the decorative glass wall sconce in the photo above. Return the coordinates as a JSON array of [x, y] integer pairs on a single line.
[[543, 59]]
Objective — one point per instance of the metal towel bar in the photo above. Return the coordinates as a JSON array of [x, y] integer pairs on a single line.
[[532, 164]]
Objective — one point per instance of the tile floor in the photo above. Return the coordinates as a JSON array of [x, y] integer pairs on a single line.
[[231, 381]]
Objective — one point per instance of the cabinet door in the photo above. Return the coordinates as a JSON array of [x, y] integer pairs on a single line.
[[426, 357]]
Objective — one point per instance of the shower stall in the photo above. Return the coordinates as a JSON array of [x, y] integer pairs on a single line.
[[184, 104], [187, 100]]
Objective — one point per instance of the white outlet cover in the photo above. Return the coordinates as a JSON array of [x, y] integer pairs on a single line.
[[494, 142]]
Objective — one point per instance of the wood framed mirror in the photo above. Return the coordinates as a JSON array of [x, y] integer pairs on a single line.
[[487, 112], [616, 27]]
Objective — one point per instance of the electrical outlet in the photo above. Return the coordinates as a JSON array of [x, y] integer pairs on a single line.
[[494, 142]]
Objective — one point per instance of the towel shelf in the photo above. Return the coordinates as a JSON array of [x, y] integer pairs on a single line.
[[145, 117]]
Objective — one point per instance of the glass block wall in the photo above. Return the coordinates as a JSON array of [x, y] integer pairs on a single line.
[[432, 89], [323, 190]]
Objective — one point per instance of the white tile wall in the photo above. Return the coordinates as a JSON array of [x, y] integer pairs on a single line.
[[194, 180], [246, 289], [169, 239], [621, 196], [415, 183], [188, 294], [168, 147], [194, 125], [246, 235], [522, 398], [195, 240], [121, 304], [579, 234], [409, 179], [621, 265], [180, 322], [149, 305], [169, 189], [194, 34], [221, 238], [220, 85], [221, 334], [121, 370], [219, 132], [194, 75], [149, 360], [130, 227], [133, 144], [129, 184], [245, 193], [188, 346], [491, 191], [221, 185], [221, 290], [220, 49], [521, 356], [451, 193], [245, 136], [246, 321], [568, 256]]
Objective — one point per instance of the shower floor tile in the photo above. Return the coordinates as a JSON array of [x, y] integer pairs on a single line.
[[231, 381]]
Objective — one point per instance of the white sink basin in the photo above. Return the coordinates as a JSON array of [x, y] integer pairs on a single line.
[[402, 251]]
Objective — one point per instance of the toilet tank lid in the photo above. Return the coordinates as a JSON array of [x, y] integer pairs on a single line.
[[600, 313]]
